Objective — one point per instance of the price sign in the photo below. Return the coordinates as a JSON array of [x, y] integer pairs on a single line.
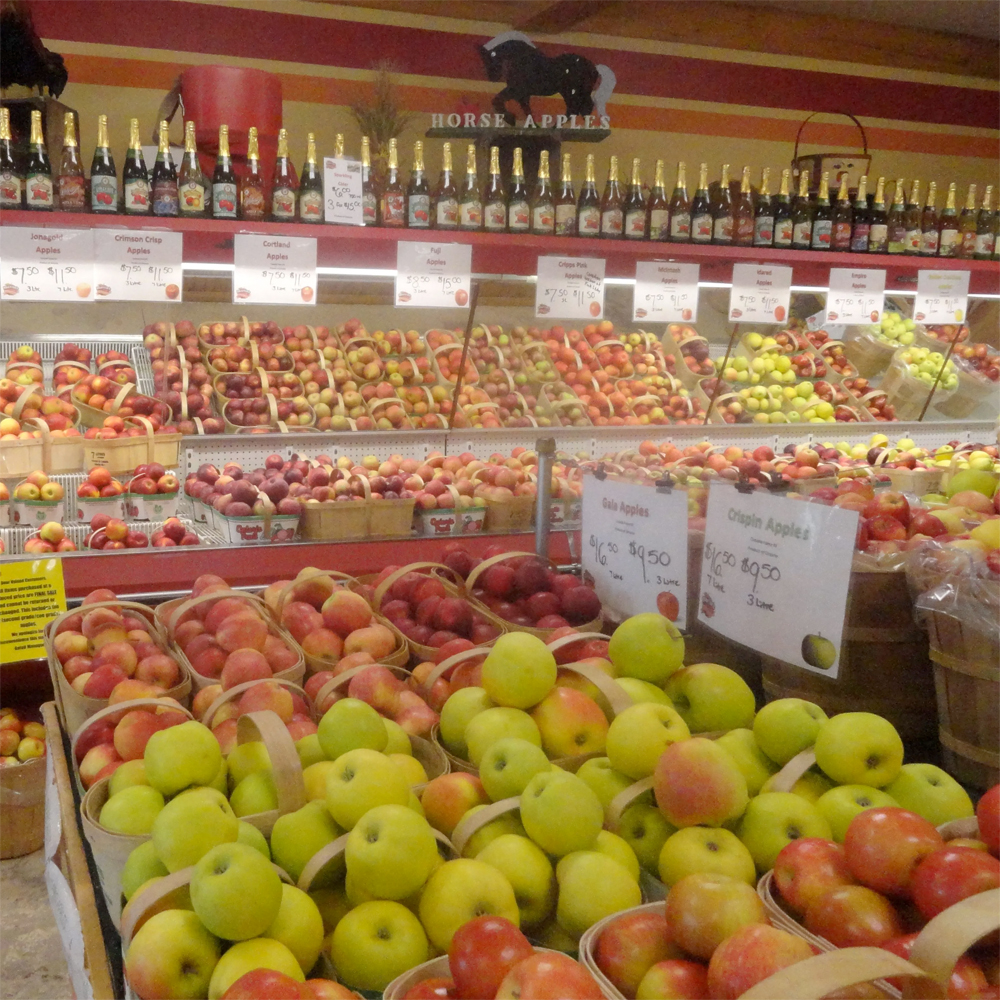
[[760, 293], [274, 269], [570, 287], [342, 192], [433, 274], [855, 297], [47, 265], [135, 265], [635, 547], [665, 292], [942, 297], [775, 574], [31, 594]]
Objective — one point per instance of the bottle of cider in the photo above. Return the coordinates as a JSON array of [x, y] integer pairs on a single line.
[[518, 208], [896, 223], [495, 198], [743, 223], [418, 192], [193, 193], [802, 216], [38, 189], [843, 218], [135, 178], [701, 209], [446, 195], [680, 208], [588, 208], [635, 206], [285, 190], [338, 146], [822, 228], [225, 186], [658, 207], [986, 227], [72, 183], [878, 230], [911, 221], [164, 183], [369, 203], [763, 218], [253, 206], [929, 224], [543, 209], [310, 185], [612, 205], [722, 215], [470, 205], [861, 224], [11, 182], [393, 197], [967, 225], [566, 200], [948, 230], [783, 226]]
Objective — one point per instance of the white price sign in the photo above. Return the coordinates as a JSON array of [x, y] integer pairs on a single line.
[[942, 297], [47, 265], [760, 293], [855, 297], [136, 265], [665, 292], [635, 547], [775, 574], [570, 287], [274, 269], [433, 274], [342, 192]]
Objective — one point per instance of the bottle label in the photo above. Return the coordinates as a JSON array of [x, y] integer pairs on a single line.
[[680, 226], [311, 206], [470, 215], [369, 208], [842, 236], [393, 209], [418, 211], [72, 193], [947, 242], [612, 221], [968, 244], [103, 193], [283, 203], [518, 217], [722, 229], [635, 225], [659, 223], [783, 232], [912, 240], [10, 190], [701, 228], [859, 237], [802, 234], [39, 190], [588, 221], [543, 218], [985, 242], [447, 213], [929, 243], [495, 217], [165, 201], [897, 239], [191, 198], [565, 220], [822, 234], [745, 230], [878, 234], [252, 204], [224, 200], [763, 230]]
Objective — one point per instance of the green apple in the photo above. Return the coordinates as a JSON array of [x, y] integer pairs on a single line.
[[711, 698], [841, 804], [571, 723], [508, 765], [315, 776], [640, 734], [457, 892], [774, 819], [705, 849], [398, 741], [141, 865], [191, 824], [645, 829], [132, 772], [221, 780], [298, 835], [252, 837], [131, 811], [172, 955], [181, 756], [618, 848], [457, 713], [561, 813], [647, 646], [391, 851], [603, 779], [486, 728], [519, 671], [375, 942], [351, 724], [245, 956], [819, 652], [859, 748], [333, 905], [414, 803], [362, 780], [928, 791], [256, 793], [810, 786], [529, 872], [507, 823], [753, 763], [696, 783], [640, 691], [298, 926], [246, 758], [309, 750], [786, 727], [235, 891], [592, 886]]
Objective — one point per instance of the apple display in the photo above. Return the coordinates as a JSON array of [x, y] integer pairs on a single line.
[[841, 804], [859, 748], [711, 698], [592, 886], [639, 735], [705, 849], [560, 813], [774, 819]]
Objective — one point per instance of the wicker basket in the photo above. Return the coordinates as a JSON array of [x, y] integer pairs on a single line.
[[22, 807]]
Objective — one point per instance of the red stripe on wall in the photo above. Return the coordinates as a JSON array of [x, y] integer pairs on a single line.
[[260, 34]]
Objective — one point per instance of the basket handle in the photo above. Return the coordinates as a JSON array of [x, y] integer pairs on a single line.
[[470, 581], [343, 679], [229, 694], [846, 114], [625, 798], [468, 825], [793, 770], [445, 665], [412, 568], [285, 764]]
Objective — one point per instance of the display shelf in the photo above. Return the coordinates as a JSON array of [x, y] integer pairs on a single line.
[[210, 241]]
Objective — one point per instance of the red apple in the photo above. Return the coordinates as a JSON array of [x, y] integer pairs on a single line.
[[883, 847], [951, 874], [889, 502], [630, 945], [264, 984], [988, 815], [482, 952], [751, 955], [806, 868], [885, 528], [548, 976], [853, 915]]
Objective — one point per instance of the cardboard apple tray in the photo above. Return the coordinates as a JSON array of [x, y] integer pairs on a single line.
[[453, 520], [34, 513]]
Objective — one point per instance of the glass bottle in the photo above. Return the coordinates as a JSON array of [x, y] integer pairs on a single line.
[[225, 186], [911, 221], [701, 209], [802, 216], [11, 185], [929, 224], [495, 198], [680, 208], [418, 192], [658, 208], [311, 185], [338, 146], [986, 227], [861, 224], [543, 209], [192, 185], [72, 184], [878, 230], [135, 178], [518, 208], [470, 205], [253, 206], [284, 191], [783, 225], [446, 195], [634, 224], [612, 205], [743, 226], [588, 208], [843, 217], [369, 203], [38, 188], [722, 214], [967, 225], [763, 218], [164, 183], [948, 230], [566, 200], [822, 228], [896, 224], [393, 197]]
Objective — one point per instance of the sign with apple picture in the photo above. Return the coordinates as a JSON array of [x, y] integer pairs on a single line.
[[775, 575]]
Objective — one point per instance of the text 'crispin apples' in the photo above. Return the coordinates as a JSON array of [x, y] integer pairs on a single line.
[[638, 736], [647, 646], [711, 698], [519, 671], [181, 756], [697, 783], [561, 813], [391, 851]]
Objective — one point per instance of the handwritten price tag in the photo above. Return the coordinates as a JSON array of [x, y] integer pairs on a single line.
[[342, 191], [665, 292], [433, 274], [942, 297], [46, 265], [855, 297], [570, 287], [760, 294], [775, 574], [134, 265], [635, 547], [275, 269]]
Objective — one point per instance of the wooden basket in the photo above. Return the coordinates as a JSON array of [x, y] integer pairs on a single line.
[[121, 455], [869, 355], [591, 936], [334, 521], [91, 417], [909, 395], [22, 806], [972, 390]]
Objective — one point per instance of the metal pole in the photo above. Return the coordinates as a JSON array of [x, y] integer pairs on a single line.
[[546, 450], [718, 377], [473, 302]]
